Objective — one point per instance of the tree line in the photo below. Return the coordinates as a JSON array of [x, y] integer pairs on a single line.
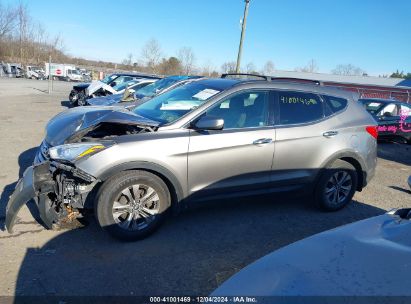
[[25, 41]]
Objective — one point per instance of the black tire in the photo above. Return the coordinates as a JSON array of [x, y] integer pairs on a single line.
[[323, 194], [73, 97], [81, 98], [112, 191]]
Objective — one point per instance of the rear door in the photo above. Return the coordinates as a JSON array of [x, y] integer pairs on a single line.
[[305, 137]]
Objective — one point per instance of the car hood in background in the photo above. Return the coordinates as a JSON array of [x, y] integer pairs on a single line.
[[371, 257], [94, 86], [67, 124]]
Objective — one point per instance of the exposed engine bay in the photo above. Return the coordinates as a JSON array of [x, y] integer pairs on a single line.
[[108, 130]]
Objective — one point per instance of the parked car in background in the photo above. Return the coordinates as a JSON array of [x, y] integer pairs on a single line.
[[118, 90], [85, 74], [84, 91], [12, 70], [393, 117], [147, 92], [35, 72], [211, 138], [366, 258]]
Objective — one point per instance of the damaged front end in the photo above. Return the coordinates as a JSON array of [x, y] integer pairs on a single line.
[[58, 189], [58, 186]]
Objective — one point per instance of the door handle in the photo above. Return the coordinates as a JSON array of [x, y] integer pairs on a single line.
[[262, 141], [330, 133]]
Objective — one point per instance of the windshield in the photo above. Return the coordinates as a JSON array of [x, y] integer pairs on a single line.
[[154, 88], [372, 106], [172, 105], [109, 78], [123, 86]]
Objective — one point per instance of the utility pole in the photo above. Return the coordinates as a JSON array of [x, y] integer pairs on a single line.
[[50, 84], [240, 48]]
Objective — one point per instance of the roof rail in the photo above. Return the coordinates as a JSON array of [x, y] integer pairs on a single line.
[[226, 75], [271, 78], [301, 80]]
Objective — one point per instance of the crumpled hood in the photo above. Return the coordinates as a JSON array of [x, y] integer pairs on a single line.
[[105, 101], [66, 124]]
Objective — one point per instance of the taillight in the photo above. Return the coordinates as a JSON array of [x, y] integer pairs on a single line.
[[373, 131]]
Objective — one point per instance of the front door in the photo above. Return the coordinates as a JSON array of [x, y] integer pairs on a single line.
[[239, 157]]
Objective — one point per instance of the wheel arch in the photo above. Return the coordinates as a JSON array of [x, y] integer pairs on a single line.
[[353, 159], [174, 186]]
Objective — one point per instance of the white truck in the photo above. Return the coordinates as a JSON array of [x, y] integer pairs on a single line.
[[63, 72]]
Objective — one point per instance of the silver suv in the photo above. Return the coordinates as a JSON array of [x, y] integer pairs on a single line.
[[213, 138]]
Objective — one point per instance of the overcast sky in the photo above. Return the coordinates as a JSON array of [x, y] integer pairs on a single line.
[[374, 35]]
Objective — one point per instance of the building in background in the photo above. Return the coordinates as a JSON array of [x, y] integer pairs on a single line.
[[366, 86]]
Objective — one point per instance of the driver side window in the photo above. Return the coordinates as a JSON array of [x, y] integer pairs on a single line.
[[244, 110]]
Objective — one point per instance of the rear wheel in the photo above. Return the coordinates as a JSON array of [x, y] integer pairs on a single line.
[[336, 186], [132, 204]]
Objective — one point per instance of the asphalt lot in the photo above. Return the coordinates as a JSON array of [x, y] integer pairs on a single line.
[[190, 255]]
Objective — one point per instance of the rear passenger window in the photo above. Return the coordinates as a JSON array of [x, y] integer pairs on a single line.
[[298, 107], [334, 104]]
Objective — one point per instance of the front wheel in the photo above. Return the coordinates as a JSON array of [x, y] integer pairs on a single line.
[[336, 186], [73, 97], [132, 204]]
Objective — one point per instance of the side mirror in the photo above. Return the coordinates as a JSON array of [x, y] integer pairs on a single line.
[[113, 84], [209, 123], [387, 114]]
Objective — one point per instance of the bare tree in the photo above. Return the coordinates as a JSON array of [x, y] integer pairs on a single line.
[[187, 59], [7, 20], [268, 68], [23, 23], [311, 67], [228, 67], [151, 54], [128, 60], [207, 68], [170, 66], [348, 70], [250, 68]]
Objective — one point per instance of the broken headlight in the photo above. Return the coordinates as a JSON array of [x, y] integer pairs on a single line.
[[72, 152]]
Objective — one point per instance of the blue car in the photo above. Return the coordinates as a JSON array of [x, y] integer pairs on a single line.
[[147, 92]]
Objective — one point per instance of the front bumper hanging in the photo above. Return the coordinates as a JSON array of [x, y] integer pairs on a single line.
[[45, 180], [22, 194], [36, 179]]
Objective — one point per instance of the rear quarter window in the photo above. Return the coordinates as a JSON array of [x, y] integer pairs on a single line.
[[334, 104]]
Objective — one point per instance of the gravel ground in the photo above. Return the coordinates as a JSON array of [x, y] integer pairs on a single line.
[[190, 255]]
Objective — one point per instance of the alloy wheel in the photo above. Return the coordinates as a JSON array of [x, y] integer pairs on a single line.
[[136, 207], [338, 187]]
